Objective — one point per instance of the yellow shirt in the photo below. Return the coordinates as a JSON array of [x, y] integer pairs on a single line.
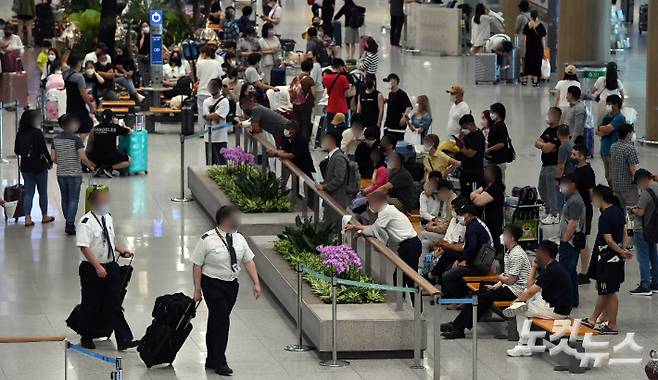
[[42, 59], [437, 161]]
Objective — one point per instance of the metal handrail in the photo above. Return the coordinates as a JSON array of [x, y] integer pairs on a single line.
[[391, 256], [31, 339]]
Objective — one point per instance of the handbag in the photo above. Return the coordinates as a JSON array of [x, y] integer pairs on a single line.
[[485, 258]]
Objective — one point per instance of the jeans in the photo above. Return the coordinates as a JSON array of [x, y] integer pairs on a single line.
[[559, 198], [568, 257], [127, 83], [606, 169], [40, 182], [547, 188], [647, 259], [69, 188]]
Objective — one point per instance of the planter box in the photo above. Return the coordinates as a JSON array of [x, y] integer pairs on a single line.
[[364, 330]]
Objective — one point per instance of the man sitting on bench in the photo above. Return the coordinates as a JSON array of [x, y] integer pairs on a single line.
[[509, 286], [103, 150], [547, 296]]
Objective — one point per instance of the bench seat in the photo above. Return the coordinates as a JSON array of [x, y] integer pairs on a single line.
[[487, 278], [548, 326], [118, 110], [118, 103], [164, 110]]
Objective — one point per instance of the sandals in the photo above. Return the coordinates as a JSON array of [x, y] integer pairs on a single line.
[[585, 322], [49, 220], [606, 330], [31, 224]]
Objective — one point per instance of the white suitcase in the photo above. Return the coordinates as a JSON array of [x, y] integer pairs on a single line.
[[486, 69]]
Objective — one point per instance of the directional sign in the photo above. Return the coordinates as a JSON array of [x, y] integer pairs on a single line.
[[155, 17], [156, 49]]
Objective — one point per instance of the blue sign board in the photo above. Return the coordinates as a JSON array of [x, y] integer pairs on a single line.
[[156, 49], [155, 17]]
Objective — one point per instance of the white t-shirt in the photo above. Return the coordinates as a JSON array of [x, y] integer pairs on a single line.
[[495, 42], [481, 32], [599, 85], [268, 59], [89, 233], [219, 129], [174, 72], [214, 259], [207, 69], [456, 112], [92, 57], [349, 142], [276, 13], [251, 75], [395, 223], [562, 86]]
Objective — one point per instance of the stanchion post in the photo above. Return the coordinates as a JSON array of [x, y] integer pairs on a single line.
[[264, 160], [300, 346], [119, 367], [368, 258], [182, 197], [307, 191], [209, 148], [66, 359], [437, 338], [238, 132], [294, 187], [475, 337], [418, 333], [398, 295], [334, 362], [2, 134], [316, 209]]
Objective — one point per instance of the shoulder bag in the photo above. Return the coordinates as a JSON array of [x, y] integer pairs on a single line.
[[485, 258]]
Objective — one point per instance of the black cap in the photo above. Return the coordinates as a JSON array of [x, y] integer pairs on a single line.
[[641, 174], [468, 208], [392, 76]]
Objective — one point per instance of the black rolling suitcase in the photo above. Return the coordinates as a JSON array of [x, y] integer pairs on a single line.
[[172, 314], [13, 196], [75, 321]]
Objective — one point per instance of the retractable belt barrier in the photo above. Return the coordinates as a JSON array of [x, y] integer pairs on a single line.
[[182, 197], [117, 374]]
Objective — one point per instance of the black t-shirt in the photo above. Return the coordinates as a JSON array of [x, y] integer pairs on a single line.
[[299, 147], [473, 167], [125, 61], [369, 108], [108, 83], [105, 138], [498, 135], [403, 187], [612, 221], [585, 180], [556, 287], [146, 48], [550, 136], [493, 211], [398, 102]]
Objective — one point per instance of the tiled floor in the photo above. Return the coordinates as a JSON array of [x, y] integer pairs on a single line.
[[38, 267]]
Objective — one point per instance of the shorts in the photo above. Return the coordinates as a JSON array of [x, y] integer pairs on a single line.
[[108, 159], [609, 276], [607, 287], [351, 35]]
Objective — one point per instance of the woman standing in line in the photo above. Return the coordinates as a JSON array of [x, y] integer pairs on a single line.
[[270, 46], [421, 120], [351, 30], [534, 32], [370, 58], [610, 84], [35, 161]]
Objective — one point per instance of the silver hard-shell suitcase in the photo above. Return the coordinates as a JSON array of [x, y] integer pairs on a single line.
[[485, 68]]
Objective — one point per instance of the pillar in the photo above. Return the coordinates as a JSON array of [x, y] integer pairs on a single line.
[[651, 129], [583, 32], [510, 9]]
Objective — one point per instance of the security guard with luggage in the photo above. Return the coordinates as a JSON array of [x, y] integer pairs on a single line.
[[100, 278], [216, 269]]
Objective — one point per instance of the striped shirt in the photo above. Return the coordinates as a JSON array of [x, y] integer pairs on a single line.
[[66, 146], [370, 63], [517, 264]]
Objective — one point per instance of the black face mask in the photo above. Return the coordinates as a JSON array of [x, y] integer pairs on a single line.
[[175, 60]]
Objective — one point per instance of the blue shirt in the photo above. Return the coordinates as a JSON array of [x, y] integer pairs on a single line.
[[475, 237], [606, 141]]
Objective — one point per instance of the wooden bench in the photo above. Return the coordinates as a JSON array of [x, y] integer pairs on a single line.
[[164, 110], [118, 103], [116, 110], [417, 226], [565, 362], [165, 114], [497, 308], [486, 278], [365, 182]]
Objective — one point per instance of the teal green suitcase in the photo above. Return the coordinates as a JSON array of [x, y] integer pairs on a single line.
[[136, 145]]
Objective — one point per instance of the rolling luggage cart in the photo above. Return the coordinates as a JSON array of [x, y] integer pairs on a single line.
[[526, 217]]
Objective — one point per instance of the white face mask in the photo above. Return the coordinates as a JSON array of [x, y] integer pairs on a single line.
[[51, 57], [494, 116], [466, 131], [428, 147], [563, 189], [102, 210], [461, 220], [286, 133], [89, 72], [146, 29], [453, 98], [502, 240], [608, 108]]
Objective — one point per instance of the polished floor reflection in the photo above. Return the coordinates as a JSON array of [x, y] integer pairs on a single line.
[[38, 266]]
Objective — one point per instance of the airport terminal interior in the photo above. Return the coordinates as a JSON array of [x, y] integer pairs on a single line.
[[40, 285]]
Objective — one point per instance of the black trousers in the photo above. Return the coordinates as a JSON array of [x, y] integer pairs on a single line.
[[396, 29], [220, 298], [467, 182], [409, 251], [444, 264], [486, 298], [394, 136], [303, 119], [101, 301], [452, 284], [216, 157]]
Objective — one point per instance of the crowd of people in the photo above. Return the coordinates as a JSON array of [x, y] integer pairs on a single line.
[[387, 159]]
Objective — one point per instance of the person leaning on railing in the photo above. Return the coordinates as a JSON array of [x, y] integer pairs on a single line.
[[392, 226]]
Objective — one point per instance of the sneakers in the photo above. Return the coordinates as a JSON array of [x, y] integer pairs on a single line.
[[640, 291], [519, 350], [515, 308], [550, 219], [140, 98], [583, 279], [70, 229], [654, 288], [224, 370], [87, 343], [605, 330], [454, 334], [445, 327]]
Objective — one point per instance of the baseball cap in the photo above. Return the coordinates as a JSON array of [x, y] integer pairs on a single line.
[[392, 76], [641, 174], [455, 89], [339, 118], [467, 208], [570, 69]]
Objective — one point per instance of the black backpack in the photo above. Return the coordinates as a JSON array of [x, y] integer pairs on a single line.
[[357, 17], [527, 195], [650, 229], [510, 153]]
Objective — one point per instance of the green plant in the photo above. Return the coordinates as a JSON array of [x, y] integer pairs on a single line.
[[88, 23], [306, 235], [177, 25], [249, 189]]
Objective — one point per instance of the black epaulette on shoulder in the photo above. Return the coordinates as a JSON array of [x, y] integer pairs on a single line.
[[205, 235], [85, 220]]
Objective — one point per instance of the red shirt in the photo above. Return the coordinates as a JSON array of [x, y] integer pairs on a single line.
[[337, 102]]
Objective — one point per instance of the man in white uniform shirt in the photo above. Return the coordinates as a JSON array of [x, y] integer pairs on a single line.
[[397, 226], [215, 109], [100, 278], [458, 109], [216, 258]]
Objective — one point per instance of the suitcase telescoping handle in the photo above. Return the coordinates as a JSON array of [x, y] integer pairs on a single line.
[[187, 309]]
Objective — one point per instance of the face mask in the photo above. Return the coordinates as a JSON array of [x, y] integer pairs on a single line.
[[370, 142], [564, 190], [146, 29], [493, 115], [214, 94], [270, 33], [466, 131], [461, 220], [235, 226], [51, 57], [286, 133], [103, 210], [453, 98], [502, 241], [320, 34], [390, 87], [89, 72], [428, 147], [373, 210], [608, 108]]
